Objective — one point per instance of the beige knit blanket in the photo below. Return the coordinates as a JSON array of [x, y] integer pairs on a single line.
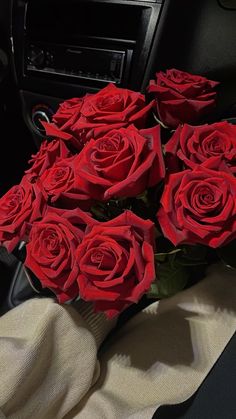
[[50, 369]]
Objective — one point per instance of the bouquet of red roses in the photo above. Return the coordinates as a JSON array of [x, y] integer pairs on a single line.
[[129, 195]]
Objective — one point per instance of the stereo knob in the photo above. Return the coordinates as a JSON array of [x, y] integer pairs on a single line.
[[37, 117], [36, 56], [41, 112]]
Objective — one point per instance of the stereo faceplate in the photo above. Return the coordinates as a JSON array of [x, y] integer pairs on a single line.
[[85, 63]]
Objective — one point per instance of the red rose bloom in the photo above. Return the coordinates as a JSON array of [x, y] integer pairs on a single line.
[[19, 207], [51, 251], [124, 162], [110, 108], [61, 183], [116, 262], [195, 145], [182, 97], [49, 152], [66, 115], [199, 206]]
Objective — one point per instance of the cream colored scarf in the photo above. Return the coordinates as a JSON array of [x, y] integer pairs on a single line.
[[49, 368]]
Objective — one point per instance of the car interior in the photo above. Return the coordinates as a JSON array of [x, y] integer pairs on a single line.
[[52, 50]]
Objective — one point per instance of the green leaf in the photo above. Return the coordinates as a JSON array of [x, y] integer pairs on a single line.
[[153, 291], [143, 197], [171, 278], [98, 213], [228, 254], [161, 257], [193, 255], [195, 252], [186, 262], [120, 203]]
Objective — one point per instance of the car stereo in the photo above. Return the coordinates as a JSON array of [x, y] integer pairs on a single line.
[[68, 48], [97, 64]]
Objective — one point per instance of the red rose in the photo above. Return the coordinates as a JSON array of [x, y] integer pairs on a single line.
[[199, 206], [67, 113], [19, 207], [124, 162], [51, 251], [110, 108], [195, 145], [116, 262], [49, 152], [182, 97], [61, 183]]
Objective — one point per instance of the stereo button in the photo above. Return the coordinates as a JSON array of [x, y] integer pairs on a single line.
[[36, 56], [49, 59]]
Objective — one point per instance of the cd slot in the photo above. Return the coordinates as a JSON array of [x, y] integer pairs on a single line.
[[72, 74]]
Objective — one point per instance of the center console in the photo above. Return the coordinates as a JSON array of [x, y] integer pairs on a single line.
[[65, 48]]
